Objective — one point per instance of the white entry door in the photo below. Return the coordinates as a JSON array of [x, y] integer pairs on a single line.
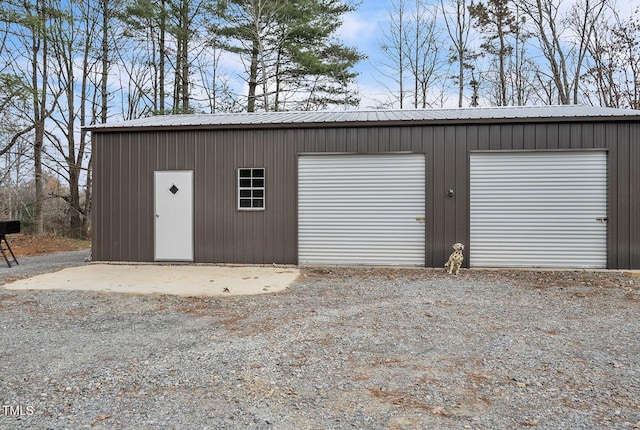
[[174, 215]]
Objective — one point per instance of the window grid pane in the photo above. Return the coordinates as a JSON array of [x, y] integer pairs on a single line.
[[251, 188]]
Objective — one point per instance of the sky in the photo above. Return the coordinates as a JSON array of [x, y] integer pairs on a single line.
[[361, 29]]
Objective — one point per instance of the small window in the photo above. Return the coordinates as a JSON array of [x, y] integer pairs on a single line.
[[251, 189]]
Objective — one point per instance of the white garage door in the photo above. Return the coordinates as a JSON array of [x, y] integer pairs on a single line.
[[361, 209], [538, 209]]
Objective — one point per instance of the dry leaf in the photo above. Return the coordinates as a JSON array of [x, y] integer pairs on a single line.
[[438, 410], [100, 418]]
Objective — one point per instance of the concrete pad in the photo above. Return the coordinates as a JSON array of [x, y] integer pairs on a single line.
[[184, 280]]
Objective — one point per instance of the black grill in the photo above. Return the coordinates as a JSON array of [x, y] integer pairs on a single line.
[[8, 227]]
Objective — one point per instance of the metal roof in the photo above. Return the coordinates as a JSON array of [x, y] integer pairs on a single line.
[[379, 117]]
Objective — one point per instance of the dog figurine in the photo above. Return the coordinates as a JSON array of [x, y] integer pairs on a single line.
[[452, 266]]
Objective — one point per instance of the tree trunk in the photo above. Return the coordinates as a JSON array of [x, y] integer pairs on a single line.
[[501, 57], [105, 62], [162, 53], [278, 78], [460, 79], [401, 59], [184, 34], [39, 43], [75, 220], [416, 59], [253, 78], [88, 195]]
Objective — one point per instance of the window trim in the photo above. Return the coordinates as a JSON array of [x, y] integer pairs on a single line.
[[251, 188]]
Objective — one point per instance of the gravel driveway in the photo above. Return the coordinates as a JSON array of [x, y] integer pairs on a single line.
[[37, 265], [342, 348]]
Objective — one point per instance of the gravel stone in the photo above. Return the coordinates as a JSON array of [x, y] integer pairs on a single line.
[[365, 348]]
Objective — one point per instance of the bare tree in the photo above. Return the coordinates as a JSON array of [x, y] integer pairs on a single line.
[[75, 38], [563, 38], [521, 72], [136, 96], [613, 75], [143, 46], [23, 108], [425, 54], [457, 19], [213, 86], [30, 21], [393, 43], [412, 56], [14, 95]]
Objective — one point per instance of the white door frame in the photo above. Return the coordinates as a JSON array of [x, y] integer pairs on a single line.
[[173, 215]]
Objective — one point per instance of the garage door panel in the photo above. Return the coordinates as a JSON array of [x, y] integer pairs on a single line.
[[361, 209], [538, 209]]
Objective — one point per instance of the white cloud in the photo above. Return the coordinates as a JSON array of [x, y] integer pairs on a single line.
[[357, 28]]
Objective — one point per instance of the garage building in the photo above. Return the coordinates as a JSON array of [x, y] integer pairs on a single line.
[[552, 186]]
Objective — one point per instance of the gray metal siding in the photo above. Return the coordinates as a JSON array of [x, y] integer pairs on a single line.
[[633, 215], [624, 192], [124, 163], [123, 185]]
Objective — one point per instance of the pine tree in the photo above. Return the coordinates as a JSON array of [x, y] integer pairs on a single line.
[[291, 58]]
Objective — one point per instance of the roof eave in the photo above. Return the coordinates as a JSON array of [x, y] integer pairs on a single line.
[[352, 124]]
